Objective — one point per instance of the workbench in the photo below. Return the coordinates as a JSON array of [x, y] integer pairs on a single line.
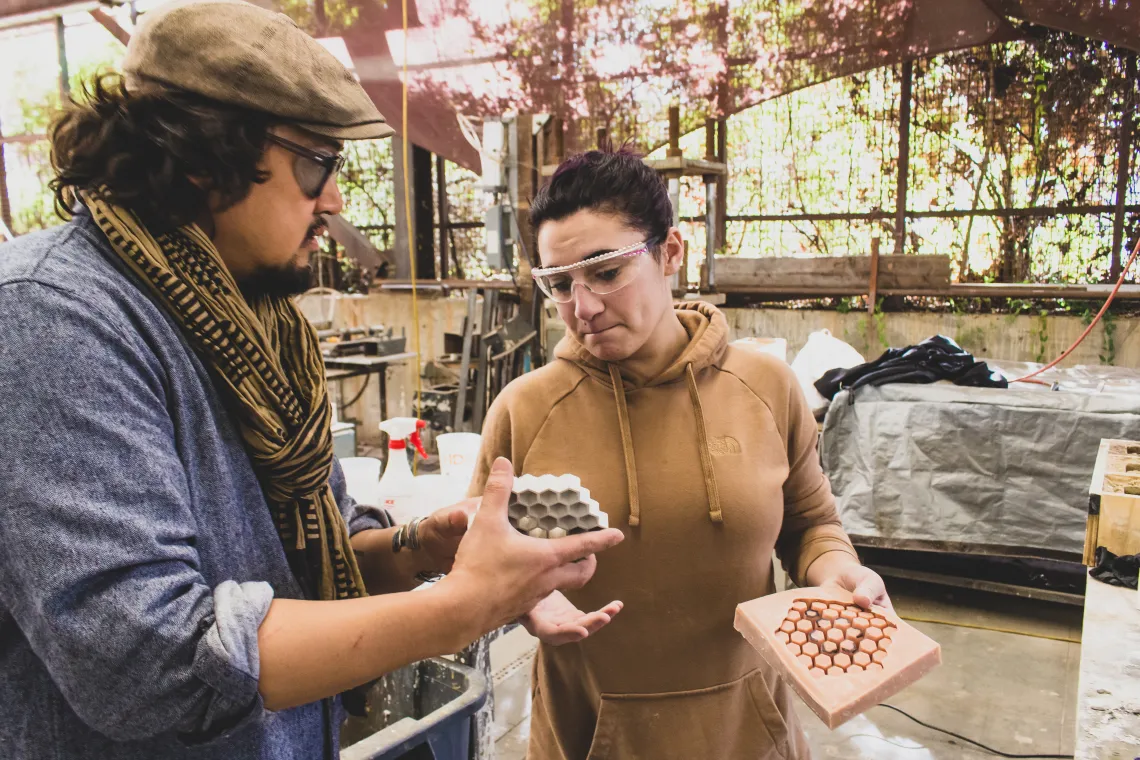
[[1108, 698], [343, 367]]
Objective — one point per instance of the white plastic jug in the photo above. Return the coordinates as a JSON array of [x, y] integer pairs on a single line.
[[458, 453]]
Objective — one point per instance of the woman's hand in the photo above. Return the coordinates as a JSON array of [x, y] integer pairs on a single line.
[[863, 582], [556, 621]]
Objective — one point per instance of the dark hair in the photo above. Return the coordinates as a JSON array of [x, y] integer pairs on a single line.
[[142, 149], [612, 182]]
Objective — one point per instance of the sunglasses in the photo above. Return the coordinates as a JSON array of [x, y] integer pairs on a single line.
[[312, 169], [600, 275]]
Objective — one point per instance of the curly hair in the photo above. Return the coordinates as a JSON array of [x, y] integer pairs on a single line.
[[160, 153], [610, 181]]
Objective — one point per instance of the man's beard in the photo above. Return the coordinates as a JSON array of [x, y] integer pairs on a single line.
[[282, 281]]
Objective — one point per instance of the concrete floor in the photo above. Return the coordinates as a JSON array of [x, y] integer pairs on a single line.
[[1010, 688]]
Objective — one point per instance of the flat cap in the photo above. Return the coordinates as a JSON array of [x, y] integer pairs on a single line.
[[237, 53]]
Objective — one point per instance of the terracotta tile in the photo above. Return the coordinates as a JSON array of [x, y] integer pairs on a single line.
[[872, 676]]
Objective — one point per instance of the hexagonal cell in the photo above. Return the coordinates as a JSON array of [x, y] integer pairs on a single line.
[[804, 659], [547, 522], [589, 522], [578, 508], [855, 669], [842, 660], [783, 637], [527, 524], [569, 523], [799, 637], [516, 510], [810, 649], [823, 661], [799, 606], [829, 647], [818, 672], [835, 671], [537, 533], [568, 496], [559, 509], [794, 649], [868, 646], [556, 533], [861, 658], [527, 498], [794, 616]]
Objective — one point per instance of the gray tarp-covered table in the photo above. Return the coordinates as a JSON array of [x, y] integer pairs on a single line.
[[946, 468]]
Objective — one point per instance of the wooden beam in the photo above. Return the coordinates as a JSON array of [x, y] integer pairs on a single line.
[[5, 203], [106, 21], [61, 48], [894, 272], [441, 200], [674, 150], [1123, 159], [904, 157], [1025, 291], [423, 213]]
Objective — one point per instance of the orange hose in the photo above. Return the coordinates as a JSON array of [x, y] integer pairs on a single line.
[[1085, 334]]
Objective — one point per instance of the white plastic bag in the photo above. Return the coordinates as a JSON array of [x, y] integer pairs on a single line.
[[821, 353]]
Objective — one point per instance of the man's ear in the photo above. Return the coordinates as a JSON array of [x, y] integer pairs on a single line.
[[673, 252]]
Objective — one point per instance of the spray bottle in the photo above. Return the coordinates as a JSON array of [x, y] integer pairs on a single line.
[[397, 485]]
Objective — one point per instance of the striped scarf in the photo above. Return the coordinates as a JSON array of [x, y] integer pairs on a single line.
[[268, 366]]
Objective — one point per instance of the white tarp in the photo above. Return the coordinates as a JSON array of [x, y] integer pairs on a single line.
[[949, 468]]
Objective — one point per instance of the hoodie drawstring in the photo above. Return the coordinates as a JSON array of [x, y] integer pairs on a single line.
[[711, 486], [626, 446]]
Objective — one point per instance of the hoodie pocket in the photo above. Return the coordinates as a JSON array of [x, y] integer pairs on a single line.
[[732, 721]]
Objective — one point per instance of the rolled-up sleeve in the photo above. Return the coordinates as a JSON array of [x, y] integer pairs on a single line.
[[98, 543]]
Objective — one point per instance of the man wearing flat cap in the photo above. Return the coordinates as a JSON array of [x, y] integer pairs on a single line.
[[182, 574]]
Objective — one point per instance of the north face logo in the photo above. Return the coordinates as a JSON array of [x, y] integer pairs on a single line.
[[724, 446]]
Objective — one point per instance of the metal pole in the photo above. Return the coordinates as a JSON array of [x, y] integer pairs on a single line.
[[1122, 168], [904, 156], [64, 77]]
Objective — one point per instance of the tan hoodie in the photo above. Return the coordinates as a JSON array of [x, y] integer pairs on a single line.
[[707, 467]]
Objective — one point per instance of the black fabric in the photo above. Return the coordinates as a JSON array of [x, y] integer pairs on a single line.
[[1114, 570], [934, 359]]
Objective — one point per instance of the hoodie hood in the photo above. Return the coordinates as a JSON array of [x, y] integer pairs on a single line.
[[708, 340]]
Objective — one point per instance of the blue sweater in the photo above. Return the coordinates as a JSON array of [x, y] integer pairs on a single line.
[[137, 553]]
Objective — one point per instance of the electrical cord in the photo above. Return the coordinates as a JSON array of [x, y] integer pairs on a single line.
[[975, 626], [1085, 334], [358, 395], [981, 746]]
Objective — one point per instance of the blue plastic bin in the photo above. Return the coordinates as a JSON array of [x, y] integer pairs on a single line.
[[421, 712]]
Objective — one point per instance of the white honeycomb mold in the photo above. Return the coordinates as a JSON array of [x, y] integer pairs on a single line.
[[553, 506]]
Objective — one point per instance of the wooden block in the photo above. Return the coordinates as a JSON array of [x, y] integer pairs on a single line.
[[1114, 500], [878, 656], [894, 272]]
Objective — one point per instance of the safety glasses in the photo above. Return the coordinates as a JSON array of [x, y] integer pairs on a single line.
[[600, 275], [312, 170]]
